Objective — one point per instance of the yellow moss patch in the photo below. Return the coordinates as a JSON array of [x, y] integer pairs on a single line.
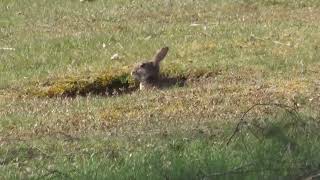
[[106, 83]]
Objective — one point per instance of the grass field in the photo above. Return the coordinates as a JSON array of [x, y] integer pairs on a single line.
[[55, 62]]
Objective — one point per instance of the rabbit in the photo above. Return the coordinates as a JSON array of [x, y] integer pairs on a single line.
[[147, 73]]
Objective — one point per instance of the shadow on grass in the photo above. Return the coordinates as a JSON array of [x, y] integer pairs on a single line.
[[105, 84]]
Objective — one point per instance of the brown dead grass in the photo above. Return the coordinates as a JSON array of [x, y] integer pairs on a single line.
[[197, 104]]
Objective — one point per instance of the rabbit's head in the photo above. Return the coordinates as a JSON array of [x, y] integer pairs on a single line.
[[148, 72]]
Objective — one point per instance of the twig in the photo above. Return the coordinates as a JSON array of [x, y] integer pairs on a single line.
[[289, 109], [232, 171], [54, 171], [241, 170], [275, 42], [7, 49], [42, 152], [315, 175], [241, 121]]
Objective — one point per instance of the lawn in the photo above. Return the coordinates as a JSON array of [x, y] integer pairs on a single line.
[[249, 108]]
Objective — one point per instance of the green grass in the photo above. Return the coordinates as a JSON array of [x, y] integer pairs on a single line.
[[234, 54], [174, 155]]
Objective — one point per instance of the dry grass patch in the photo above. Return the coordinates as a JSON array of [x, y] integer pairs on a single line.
[[113, 82]]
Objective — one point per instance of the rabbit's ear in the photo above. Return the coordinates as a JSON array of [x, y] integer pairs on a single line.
[[160, 55]]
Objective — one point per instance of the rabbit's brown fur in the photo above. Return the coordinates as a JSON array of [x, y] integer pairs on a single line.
[[147, 73]]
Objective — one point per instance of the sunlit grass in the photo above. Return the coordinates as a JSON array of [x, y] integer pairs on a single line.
[[234, 54]]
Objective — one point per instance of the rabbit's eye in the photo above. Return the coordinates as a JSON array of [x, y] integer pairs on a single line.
[[143, 65]]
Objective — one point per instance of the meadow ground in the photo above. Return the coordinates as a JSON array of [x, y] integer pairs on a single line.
[[55, 124]]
